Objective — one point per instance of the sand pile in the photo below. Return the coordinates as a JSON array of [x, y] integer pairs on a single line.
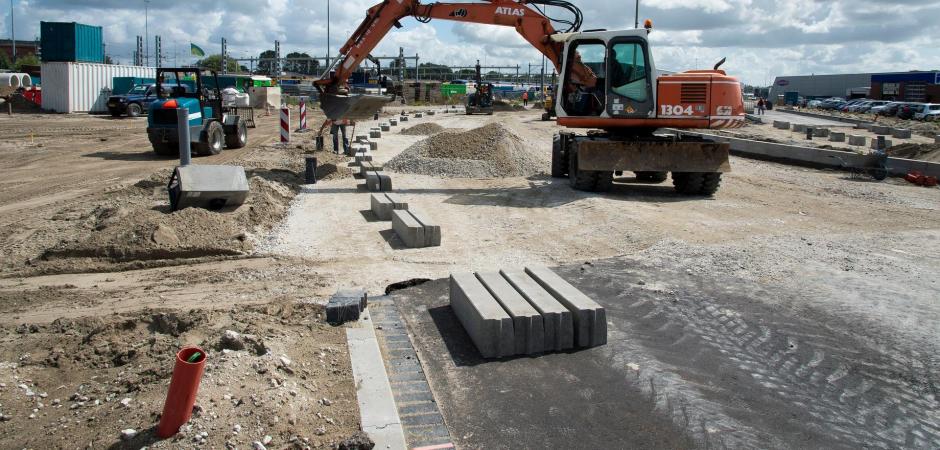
[[923, 152], [424, 129], [491, 151]]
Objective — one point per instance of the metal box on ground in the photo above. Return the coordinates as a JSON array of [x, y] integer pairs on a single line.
[[209, 187]]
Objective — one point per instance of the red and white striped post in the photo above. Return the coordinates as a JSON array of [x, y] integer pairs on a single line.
[[303, 114], [285, 124]]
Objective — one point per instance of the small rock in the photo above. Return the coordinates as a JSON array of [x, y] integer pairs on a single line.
[[325, 402], [231, 340], [358, 441], [267, 440], [285, 361], [237, 428], [258, 446], [5, 418], [166, 236], [320, 431], [128, 434], [126, 402]]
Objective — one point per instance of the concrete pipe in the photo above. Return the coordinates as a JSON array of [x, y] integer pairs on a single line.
[[10, 80], [26, 81]]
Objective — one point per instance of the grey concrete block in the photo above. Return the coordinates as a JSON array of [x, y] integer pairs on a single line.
[[403, 118], [408, 229], [881, 130], [836, 137], [386, 127], [431, 113], [362, 139], [527, 323], [799, 128], [393, 122], [486, 322], [357, 293], [418, 115], [383, 204], [375, 134], [881, 143], [590, 319], [781, 125], [372, 181], [368, 166], [363, 157], [855, 139], [385, 182], [432, 233], [936, 139], [557, 322], [865, 126], [901, 133], [821, 132], [373, 145]]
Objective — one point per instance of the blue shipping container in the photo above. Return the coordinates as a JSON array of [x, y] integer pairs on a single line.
[[71, 42]]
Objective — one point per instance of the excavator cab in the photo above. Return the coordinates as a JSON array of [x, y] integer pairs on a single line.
[[609, 75]]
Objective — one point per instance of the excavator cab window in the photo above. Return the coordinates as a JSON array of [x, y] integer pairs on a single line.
[[630, 79], [585, 86]]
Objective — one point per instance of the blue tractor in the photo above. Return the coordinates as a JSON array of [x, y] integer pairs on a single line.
[[211, 128]]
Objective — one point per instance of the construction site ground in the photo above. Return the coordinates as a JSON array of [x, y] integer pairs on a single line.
[[829, 282]]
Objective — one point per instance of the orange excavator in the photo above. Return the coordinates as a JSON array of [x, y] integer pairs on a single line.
[[608, 85]]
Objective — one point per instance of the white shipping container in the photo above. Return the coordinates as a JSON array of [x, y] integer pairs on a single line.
[[69, 87]]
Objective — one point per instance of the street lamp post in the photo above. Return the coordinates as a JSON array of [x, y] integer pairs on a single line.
[[327, 33], [12, 31], [637, 22], [147, 31]]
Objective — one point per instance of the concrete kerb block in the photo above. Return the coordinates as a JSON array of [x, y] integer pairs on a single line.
[[432, 233], [375, 133], [875, 144], [799, 128], [590, 319], [527, 323], [373, 145], [821, 132], [431, 113], [936, 139], [383, 204], [781, 125], [377, 181], [881, 130], [418, 115], [362, 139], [357, 293], [403, 118], [557, 324], [486, 322], [855, 139], [901, 133], [385, 127], [393, 122], [363, 157], [414, 230], [366, 166], [836, 136]]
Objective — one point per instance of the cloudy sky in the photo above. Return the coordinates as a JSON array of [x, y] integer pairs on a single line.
[[760, 38]]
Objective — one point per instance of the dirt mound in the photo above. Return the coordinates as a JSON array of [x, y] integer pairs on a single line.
[[506, 106], [923, 152], [424, 129], [491, 151]]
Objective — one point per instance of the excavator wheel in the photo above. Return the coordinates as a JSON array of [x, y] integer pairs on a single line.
[[696, 183], [652, 177], [587, 180], [559, 161]]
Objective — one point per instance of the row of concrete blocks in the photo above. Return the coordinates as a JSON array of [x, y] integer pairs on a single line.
[[884, 130], [376, 180], [415, 229], [525, 312]]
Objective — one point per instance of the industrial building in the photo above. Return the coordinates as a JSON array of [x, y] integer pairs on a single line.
[[23, 48], [912, 86]]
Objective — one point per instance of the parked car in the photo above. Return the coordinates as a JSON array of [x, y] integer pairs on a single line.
[[135, 102], [929, 112], [835, 105], [873, 104], [908, 110], [889, 110], [849, 104], [814, 103]]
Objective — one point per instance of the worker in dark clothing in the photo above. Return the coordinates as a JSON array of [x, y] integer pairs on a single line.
[[337, 127]]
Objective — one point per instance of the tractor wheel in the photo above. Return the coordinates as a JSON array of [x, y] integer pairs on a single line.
[[238, 138], [696, 183], [559, 162], [587, 180], [134, 110], [166, 149], [652, 177], [211, 141]]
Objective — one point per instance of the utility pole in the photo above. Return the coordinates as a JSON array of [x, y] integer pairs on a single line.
[[12, 30], [277, 59], [139, 52], [637, 23], [327, 33], [157, 50], [224, 55], [147, 30]]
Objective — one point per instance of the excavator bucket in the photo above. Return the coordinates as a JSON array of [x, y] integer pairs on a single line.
[[352, 106]]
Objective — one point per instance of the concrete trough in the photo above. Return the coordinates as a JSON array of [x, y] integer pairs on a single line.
[[486, 322], [901, 133], [821, 132], [855, 139], [781, 125], [383, 204], [527, 324], [798, 127], [557, 324], [881, 130], [415, 230], [836, 136], [590, 319]]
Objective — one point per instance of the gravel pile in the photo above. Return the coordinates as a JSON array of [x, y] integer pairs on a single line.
[[491, 151], [425, 129]]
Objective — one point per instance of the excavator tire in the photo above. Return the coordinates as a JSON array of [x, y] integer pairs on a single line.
[[559, 162], [587, 180], [696, 183], [652, 177]]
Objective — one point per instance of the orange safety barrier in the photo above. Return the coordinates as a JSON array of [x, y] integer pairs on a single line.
[[183, 388]]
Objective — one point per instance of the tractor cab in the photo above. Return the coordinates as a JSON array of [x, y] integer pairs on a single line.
[[211, 129]]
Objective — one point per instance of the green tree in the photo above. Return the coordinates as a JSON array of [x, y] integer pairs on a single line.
[[307, 67], [27, 60], [435, 71], [214, 62], [266, 62], [5, 63]]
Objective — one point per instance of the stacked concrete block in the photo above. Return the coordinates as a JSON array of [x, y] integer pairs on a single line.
[[590, 319], [403, 118], [377, 181], [346, 305], [368, 166], [557, 324], [363, 156], [419, 115], [855, 139], [781, 125], [881, 130], [393, 122], [545, 312], [901, 133], [373, 145], [385, 126], [375, 133], [821, 132], [415, 230], [384, 204], [799, 128], [836, 136], [362, 139]]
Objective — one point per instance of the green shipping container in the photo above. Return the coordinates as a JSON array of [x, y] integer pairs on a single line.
[[71, 42], [448, 90]]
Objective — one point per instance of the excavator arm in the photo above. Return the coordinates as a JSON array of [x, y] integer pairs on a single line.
[[532, 25]]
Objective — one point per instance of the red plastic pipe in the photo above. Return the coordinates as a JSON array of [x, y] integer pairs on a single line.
[[182, 394]]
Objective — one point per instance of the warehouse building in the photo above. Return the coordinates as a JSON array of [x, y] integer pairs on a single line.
[[911, 86]]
